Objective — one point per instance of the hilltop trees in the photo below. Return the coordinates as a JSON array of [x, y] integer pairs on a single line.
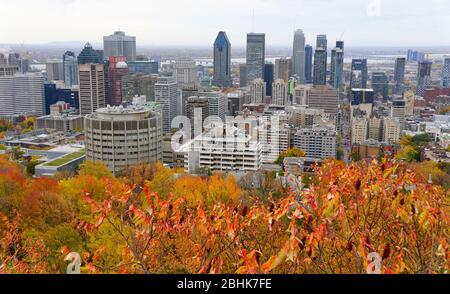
[[209, 225]]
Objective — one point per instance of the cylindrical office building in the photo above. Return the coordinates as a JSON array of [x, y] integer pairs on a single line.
[[122, 137]]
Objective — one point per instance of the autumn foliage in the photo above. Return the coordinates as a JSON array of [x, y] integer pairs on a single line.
[[209, 225]]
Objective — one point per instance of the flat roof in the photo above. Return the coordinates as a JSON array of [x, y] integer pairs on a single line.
[[65, 159]]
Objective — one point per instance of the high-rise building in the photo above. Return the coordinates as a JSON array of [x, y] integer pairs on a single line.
[[399, 75], [359, 130], [322, 42], [53, 94], [119, 44], [283, 69], [269, 74], [166, 94], [243, 75], [143, 67], [237, 151], [308, 64], [359, 75], [89, 55], [70, 67], [380, 84], [301, 94], [423, 77], [55, 70], [446, 73], [324, 97], [280, 93], [185, 72], [320, 67], [337, 66], [256, 51], [193, 103], [118, 69], [317, 142], [139, 85], [362, 96], [22, 94], [398, 109], [391, 130], [298, 56], [218, 103], [136, 128], [91, 78], [320, 61], [257, 91], [222, 61]]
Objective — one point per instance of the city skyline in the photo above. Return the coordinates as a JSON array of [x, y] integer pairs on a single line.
[[358, 22]]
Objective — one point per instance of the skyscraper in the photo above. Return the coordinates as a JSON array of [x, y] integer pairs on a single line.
[[423, 77], [222, 61], [89, 55], [119, 44], [359, 74], [308, 64], [91, 78], [118, 69], [320, 61], [380, 84], [298, 56], [70, 65], [269, 73], [399, 75], [446, 73], [320, 67], [242, 75], [337, 65], [166, 94], [256, 51], [322, 42]]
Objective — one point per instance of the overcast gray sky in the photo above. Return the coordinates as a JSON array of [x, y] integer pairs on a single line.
[[196, 22]]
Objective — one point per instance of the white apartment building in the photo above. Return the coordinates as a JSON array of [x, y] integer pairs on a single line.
[[237, 151], [257, 91], [22, 94], [317, 142], [391, 130], [166, 95], [280, 92], [359, 130]]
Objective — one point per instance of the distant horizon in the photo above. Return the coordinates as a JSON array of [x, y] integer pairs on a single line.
[[99, 45]]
